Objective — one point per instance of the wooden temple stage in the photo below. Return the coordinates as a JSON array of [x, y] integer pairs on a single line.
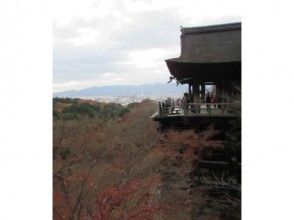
[[210, 65]]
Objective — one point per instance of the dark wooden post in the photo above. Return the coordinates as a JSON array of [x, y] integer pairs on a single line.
[[203, 91], [190, 92], [224, 96], [196, 97]]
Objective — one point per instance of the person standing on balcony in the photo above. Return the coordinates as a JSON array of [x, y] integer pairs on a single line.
[[172, 106], [213, 100], [208, 100], [168, 102], [185, 103], [178, 102]]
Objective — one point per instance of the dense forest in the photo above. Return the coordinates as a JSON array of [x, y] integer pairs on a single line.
[[69, 109], [110, 162]]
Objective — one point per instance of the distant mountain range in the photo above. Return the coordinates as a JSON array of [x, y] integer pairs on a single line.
[[156, 89]]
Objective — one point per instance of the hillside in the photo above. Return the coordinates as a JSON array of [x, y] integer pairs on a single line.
[[110, 162]]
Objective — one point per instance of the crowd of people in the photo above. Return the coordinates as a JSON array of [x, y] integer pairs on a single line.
[[183, 102], [187, 99]]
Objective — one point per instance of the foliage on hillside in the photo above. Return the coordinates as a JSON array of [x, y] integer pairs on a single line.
[[120, 168], [70, 109], [100, 167]]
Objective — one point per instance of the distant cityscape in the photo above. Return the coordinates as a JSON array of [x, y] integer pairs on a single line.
[[124, 100], [127, 94]]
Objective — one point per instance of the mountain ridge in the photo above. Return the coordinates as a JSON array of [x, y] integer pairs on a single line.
[[124, 90]]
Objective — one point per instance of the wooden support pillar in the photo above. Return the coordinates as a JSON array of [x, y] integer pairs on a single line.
[[203, 91], [190, 90], [220, 94], [225, 95], [196, 96], [218, 91], [223, 91]]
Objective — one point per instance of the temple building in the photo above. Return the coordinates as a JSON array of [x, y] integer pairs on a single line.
[[210, 65]]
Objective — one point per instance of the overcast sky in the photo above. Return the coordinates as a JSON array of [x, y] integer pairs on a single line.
[[111, 42]]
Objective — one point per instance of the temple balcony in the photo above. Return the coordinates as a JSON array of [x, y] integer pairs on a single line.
[[198, 110]]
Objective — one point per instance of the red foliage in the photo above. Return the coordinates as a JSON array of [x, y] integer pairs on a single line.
[[112, 197], [112, 169], [61, 209]]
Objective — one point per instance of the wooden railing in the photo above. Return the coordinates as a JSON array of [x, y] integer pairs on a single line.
[[209, 109]]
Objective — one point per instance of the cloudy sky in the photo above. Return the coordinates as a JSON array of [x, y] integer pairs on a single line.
[[119, 42]]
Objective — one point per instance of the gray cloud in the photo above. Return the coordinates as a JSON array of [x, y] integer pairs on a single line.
[[88, 49]]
